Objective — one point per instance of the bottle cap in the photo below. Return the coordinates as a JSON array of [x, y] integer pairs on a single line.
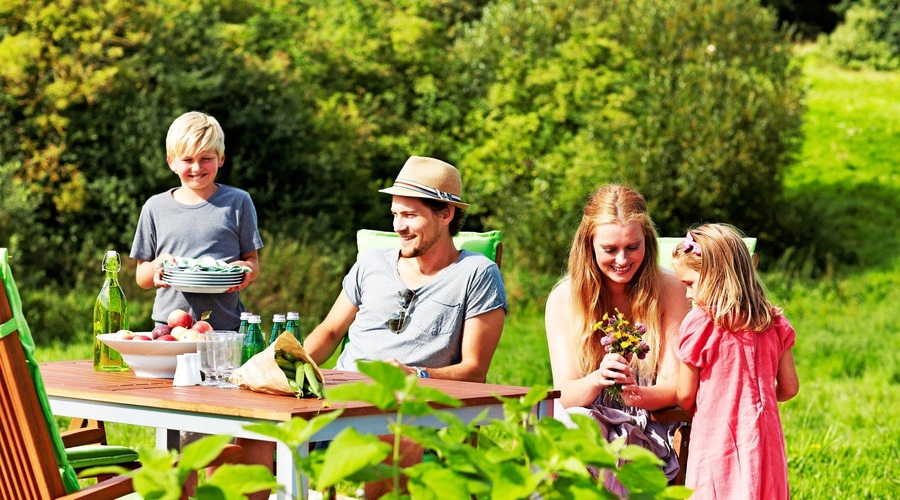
[[293, 315], [255, 319], [246, 315], [278, 318]]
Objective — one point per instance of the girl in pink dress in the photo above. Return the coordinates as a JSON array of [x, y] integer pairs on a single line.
[[737, 364]]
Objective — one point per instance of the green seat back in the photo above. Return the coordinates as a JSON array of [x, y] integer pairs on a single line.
[[667, 246], [488, 243]]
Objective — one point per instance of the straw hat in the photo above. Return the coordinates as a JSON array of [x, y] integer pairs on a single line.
[[423, 177]]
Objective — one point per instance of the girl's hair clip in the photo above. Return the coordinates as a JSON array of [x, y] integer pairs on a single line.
[[690, 246]]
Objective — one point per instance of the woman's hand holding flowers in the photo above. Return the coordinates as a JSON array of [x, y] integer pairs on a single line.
[[613, 370], [623, 339]]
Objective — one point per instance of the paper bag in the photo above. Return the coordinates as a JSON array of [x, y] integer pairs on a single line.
[[261, 374]]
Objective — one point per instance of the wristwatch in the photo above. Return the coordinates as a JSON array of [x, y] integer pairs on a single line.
[[421, 372]]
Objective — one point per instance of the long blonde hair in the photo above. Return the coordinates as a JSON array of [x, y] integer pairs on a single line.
[[614, 204], [728, 289]]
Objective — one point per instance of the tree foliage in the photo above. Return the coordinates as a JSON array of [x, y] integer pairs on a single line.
[[695, 104], [538, 103]]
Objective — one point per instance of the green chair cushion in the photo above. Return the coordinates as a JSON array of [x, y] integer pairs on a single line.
[[484, 243], [667, 245], [98, 455]]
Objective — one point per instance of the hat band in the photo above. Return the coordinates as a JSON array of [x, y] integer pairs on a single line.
[[421, 188]]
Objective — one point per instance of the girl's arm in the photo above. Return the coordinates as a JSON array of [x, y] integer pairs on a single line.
[[787, 383], [673, 307], [576, 390], [686, 391]]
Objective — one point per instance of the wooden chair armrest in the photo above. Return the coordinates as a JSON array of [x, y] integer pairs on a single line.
[[668, 415], [231, 454], [109, 489], [81, 437]]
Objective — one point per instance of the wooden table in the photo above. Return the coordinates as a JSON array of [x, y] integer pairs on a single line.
[[76, 390]]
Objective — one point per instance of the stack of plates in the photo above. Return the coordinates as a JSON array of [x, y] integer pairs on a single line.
[[185, 280]]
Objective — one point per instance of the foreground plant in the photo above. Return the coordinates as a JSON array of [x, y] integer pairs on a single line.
[[163, 473], [517, 457]]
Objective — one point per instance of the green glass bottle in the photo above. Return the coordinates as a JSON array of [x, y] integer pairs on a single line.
[[110, 316], [293, 325], [254, 342], [278, 325], [245, 322]]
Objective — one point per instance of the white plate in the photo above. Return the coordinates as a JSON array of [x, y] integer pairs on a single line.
[[188, 272], [185, 281], [202, 288]]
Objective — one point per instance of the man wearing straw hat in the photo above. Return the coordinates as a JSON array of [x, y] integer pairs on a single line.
[[429, 308]]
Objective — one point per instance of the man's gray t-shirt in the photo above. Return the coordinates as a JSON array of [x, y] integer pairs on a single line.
[[223, 227], [433, 334]]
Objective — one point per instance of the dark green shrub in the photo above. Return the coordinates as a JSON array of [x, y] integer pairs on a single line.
[[869, 37]]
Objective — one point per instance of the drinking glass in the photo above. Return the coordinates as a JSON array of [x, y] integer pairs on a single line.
[[228, 356], [206, 353]]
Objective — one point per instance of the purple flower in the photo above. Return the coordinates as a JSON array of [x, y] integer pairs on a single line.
[[606, 341]]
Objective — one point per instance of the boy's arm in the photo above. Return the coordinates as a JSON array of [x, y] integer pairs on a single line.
[[324, 339], [787, 383], [686, 390], [149, 272]]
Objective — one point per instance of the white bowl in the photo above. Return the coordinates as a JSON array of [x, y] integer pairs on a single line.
[[149, 358]]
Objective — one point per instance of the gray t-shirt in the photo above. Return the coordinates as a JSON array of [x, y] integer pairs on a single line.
[[433, 334], [222, 227]]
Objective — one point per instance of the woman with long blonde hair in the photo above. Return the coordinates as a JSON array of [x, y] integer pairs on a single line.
[[613, 270]]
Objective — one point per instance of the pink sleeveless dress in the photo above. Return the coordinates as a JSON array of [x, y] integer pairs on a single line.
[[737, 443]]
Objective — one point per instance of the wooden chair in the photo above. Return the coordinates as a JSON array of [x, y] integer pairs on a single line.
[[27, 467], [33, 459]]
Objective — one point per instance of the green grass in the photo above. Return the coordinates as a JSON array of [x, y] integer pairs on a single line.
[[842, 439]]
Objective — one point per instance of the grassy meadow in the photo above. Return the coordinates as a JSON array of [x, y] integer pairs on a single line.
[[842, 437]]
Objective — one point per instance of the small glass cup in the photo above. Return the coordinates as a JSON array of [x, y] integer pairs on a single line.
[[228, 356], [207, 354]]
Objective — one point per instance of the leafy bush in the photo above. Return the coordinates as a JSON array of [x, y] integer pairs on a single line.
[[696, 105], [869, 37]]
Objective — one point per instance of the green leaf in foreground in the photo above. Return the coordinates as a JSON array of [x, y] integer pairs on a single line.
[[349, 453]]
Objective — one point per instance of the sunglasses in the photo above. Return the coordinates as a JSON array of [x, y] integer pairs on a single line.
[[399, 319]]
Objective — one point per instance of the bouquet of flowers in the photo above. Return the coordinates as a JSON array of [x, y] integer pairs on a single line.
[[621, 337]]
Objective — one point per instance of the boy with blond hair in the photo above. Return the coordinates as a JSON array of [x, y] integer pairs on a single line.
[[200, 218]]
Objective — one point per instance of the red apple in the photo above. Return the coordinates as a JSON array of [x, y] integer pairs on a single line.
[[166, 338], [202, 327], [160, 330], [141, 337], [180, 317]]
